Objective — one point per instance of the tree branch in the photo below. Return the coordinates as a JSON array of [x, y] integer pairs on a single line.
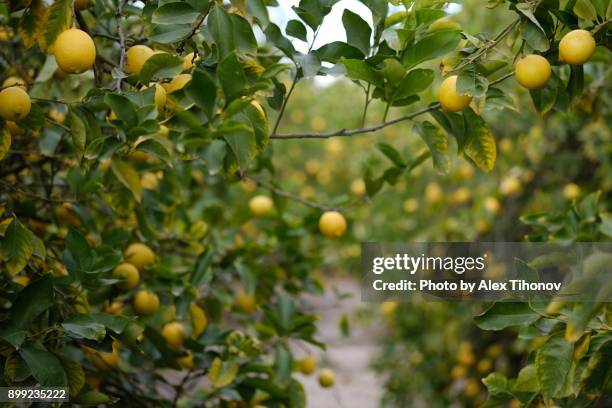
[[118, 15], [291, 196]]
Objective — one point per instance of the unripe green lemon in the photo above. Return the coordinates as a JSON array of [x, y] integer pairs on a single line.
[[332, 224], [576, 47], [450, 100], [136, 57], [533, 71], [74, 51], [15, 103]]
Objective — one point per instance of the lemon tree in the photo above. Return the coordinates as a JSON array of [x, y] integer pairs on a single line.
[[146, 244]]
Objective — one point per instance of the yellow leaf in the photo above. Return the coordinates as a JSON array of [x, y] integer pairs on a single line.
[[479, 144], [32, 23], [5, 143], [222, 373]]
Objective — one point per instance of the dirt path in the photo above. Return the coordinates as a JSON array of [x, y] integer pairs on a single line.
[[357, 386]]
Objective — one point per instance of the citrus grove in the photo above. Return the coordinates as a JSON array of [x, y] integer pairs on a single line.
[[150, 256]]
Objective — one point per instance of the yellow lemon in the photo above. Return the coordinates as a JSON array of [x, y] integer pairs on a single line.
[[75, 51], [358, 187], [177, 83], [189, 60], [104, 360], [160, 97], [327, 378], [245, 302], [576, 47], [139, 255], [14, 129], [14, 81], [332, 224], [149, 180], [532, 71], [308, 365], [174, 334], [571, 191], [450, 100], [187, 361], [22, 280], [146, 302], [411, 205], [510, 185], [136, 57], [15, 103], [433, 193], [484, 365], [198, 320], [458, 372], [491, 204], [261, 205], [115, 307], [128, 274], [66, 215]]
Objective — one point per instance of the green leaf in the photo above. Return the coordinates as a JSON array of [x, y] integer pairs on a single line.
[[32, 23], [221, 28], [432, 46], [115, 323], [535, 37], [392, 154], [526, 380], [359, 70], [437, 143], [154, 145], [202, 271], [76, 375], [283, 362], [480, 144], [309, 63], [79, 249], [241, 140], [358, 32], [544, 99], [254, 116], [585, 10], [231, 77], [243, 34], [129, 177], [162, 65], [296, 29], [16, 247], [123, 108], [337, 50], [412, 83], [24, 310], [472, 83], [575, 84], [257, 9], [312, 12], [175, 13], [506, 314], [606, 224], [297, 396], [214, 156], [58, 20], [46, 368], [83, 327], [167, 34], [78, 131], [222, 373], [93, 398], [498, 389], [276, 37], [553, 361]]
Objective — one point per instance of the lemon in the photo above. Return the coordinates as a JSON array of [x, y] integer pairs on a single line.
[[484, 365], [115, 307], [358, 187], [491, 204], [139, 255], [177, 83], [146, 302], [245, 302], [66, 215], [198, 320], [21, 280], [571, 191], [458, 372], [261, 205], [510, 185], [307, 365], [14, 129], [576, 47], [532, 71], [104, 360], [332, 224], [388, 308], [189, 60], [15, 103], [450, 100], [444, 24], [136, 57], [411, 205], [327, 378], [174, 334], [128, 274], [14, 81], [187, 361], [75, 51], [433, 193], [149, 180], [160, 97]]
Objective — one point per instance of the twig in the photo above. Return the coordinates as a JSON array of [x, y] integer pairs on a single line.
[[33, 195], [352, 132], [290, 196], [180, 48], [118, 14]]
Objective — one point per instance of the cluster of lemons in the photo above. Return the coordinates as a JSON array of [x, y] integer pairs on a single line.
[[332, 224], [146, 302], [308, 365], [532, 71]]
